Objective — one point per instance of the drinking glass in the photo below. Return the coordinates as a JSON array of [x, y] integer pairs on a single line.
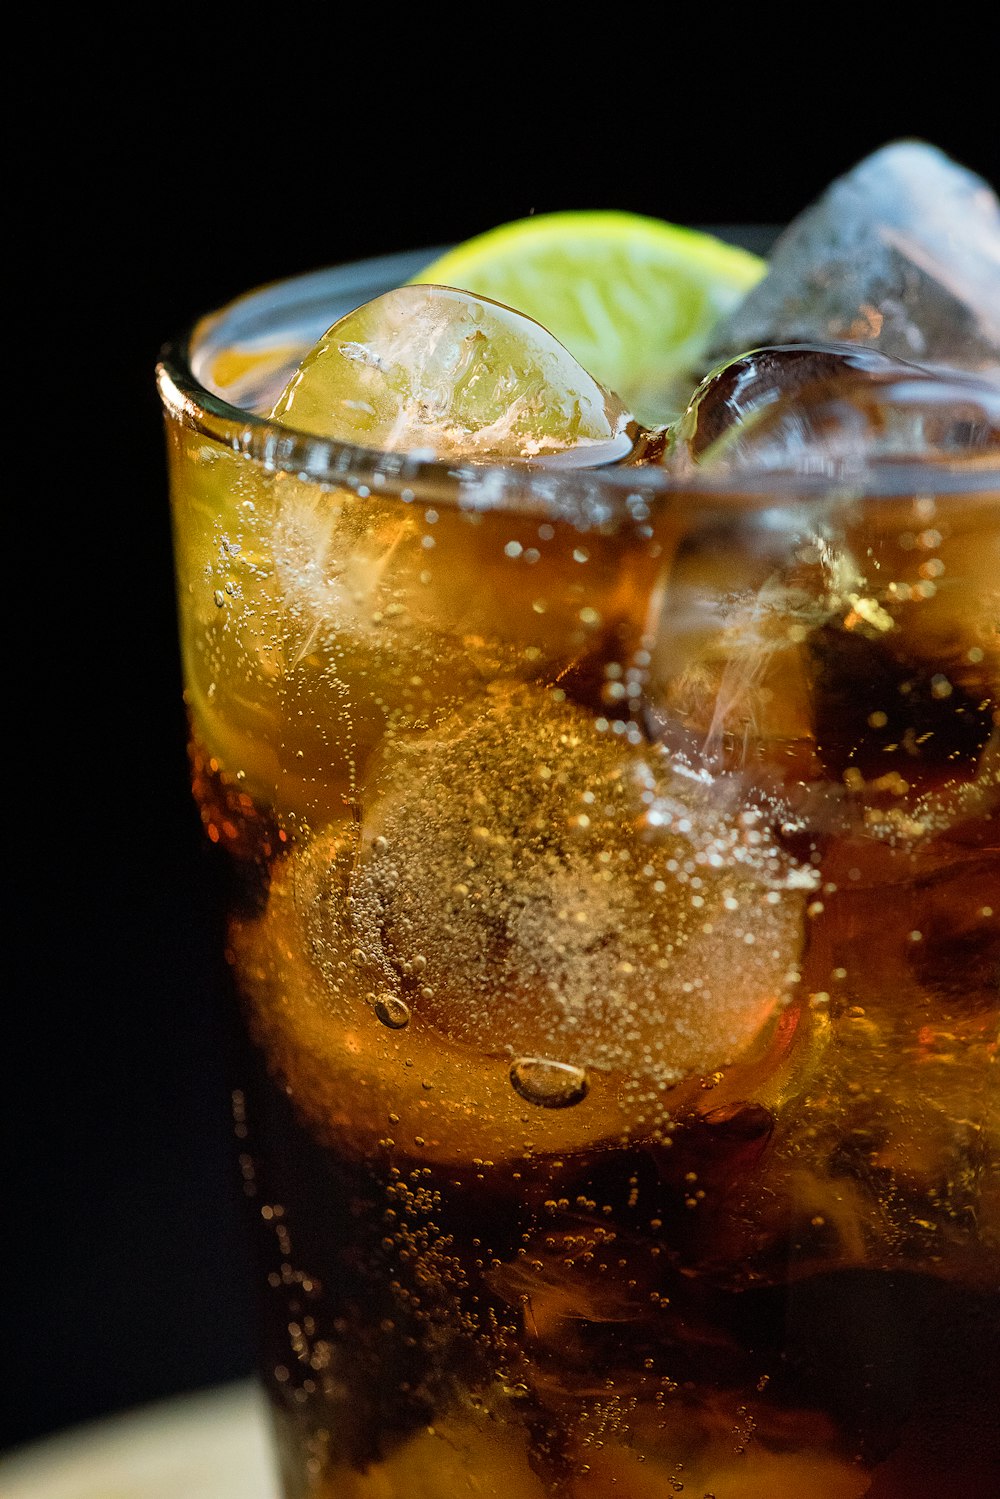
[[614, 923]]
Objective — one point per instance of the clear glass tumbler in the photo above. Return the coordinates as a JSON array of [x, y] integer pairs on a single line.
[[614, 920]]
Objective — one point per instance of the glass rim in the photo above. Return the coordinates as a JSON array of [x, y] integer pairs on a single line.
[[600, 494]]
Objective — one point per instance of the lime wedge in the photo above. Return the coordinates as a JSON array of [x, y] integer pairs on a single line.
[[634, 299]]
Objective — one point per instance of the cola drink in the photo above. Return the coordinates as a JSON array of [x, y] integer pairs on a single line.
[[614, 925]]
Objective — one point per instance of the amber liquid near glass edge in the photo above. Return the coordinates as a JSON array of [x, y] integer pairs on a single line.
[[614, 1123]]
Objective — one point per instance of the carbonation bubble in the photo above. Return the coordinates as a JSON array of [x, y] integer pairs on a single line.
[[551, 1085], [392, 1012]]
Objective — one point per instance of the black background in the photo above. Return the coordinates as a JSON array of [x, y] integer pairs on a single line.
[[158, 170]]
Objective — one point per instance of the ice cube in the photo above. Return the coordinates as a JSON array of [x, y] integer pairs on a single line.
[[839, 630], [902, 254], [300, 644], [726, 1443], [322, 618], [838, 653], [569, 897], [880, 1159], [472, 1435], [319, 619], [739, 389], [885, 1159], [732, 682], [454, 376], [390, 613], [347, 1036], [352, 1035], [833, 410], [528, 887]]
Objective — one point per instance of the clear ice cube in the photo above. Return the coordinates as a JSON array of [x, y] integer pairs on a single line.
[[443, 373], [567, 896], [833, 410], [902, 254], [854, 648], [838, 632], [531, 894], [884, 1161], [387, 614]]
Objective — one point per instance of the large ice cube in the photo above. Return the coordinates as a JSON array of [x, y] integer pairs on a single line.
[[885, 1161], [901, 254], [560, 933], [391, 613], [855, 649], [577, 899], [305, 632], [882, 1159], [455, 376], [834, 410], [850, 627], [318, 619]]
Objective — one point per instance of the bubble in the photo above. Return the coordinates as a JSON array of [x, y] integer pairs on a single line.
[[551, 1085], [392, 1011]]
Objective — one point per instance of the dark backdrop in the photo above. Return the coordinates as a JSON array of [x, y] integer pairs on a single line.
[[157, 173]]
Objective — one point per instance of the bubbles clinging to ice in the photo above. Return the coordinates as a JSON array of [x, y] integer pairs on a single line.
[[580, 935], [571, 900]]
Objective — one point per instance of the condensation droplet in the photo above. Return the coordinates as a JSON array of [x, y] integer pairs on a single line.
[[392, 1012], [551, 1085]]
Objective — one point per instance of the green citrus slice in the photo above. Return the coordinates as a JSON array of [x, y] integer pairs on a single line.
[[633, 298]]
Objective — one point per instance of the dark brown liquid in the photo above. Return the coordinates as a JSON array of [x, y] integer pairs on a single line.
[[793, 1303], [616, 914], [396, 1300]]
